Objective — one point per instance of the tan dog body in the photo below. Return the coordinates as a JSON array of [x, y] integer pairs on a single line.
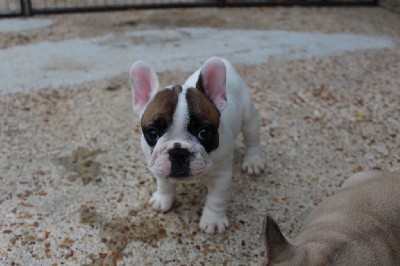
[[359, 225]]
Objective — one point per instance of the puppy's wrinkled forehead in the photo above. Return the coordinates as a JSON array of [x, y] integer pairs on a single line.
[[162, 106]]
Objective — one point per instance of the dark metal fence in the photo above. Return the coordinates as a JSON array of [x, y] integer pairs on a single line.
[[32, 7], [11, 7]]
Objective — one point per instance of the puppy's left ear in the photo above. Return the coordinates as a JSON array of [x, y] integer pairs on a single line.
[[277, 247], [144, 84], [212, 82]]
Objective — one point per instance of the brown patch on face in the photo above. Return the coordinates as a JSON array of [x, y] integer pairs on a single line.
[[204, 119], [200, 105], [162, 105], [159, 113]]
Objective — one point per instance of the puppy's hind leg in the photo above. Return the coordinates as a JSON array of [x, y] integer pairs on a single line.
[[253, 163]]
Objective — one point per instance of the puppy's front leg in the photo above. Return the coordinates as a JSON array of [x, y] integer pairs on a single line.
[[214, 218], [252, 162], [164, 196]]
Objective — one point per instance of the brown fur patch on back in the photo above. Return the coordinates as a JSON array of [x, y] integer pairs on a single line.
[[162, 106]]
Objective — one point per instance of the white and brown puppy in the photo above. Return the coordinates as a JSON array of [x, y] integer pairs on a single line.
[[359, 225], [189, 133]]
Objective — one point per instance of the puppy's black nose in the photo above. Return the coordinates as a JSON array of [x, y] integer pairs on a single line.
[[180, 162], [179, 155]]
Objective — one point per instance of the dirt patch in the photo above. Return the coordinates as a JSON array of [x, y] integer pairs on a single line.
[[118, 232], [81, 165]]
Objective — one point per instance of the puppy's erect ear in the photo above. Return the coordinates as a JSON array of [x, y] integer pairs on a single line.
[[144, 84], [277, 247], [212, 81]]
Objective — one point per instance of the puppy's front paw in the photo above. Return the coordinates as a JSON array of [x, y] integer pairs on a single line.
[[161, 202], [253, 164], [214, 224]]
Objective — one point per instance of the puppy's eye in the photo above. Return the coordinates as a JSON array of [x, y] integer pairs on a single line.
[[152, 134], [204, 134]]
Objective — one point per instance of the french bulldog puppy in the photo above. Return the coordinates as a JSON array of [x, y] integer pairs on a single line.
[[359, 225], [189, 130]]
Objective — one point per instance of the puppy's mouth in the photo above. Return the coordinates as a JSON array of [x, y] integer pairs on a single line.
[[180, 175], [179, 164]]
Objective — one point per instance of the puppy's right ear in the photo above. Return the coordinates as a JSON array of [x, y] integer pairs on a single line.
[[144, 83], [212, 82], [278, 249]]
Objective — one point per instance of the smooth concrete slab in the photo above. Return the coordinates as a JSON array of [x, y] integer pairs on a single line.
[[57, 64], [20, 24]]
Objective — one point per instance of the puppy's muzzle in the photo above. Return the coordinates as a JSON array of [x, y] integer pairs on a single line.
[[180, 162]]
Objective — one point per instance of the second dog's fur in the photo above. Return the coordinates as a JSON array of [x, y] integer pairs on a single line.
[[359, 225]]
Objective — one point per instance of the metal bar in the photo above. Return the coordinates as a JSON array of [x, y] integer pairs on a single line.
[[220, 3], [42, 11], [26, 7], [22, 6], [302, 3], [9, 15], [28, 10]]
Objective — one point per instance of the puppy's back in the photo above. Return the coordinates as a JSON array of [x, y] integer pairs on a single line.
[[360, 223], [368, 175]]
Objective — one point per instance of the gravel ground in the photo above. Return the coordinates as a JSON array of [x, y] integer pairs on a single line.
[[75, 185]]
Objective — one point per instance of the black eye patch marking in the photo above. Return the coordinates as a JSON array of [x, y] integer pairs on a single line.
[[154, 131], [204, 119], [159, 113], [205, 133]]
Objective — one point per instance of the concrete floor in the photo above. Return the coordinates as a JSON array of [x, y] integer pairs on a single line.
[[74, 183]]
